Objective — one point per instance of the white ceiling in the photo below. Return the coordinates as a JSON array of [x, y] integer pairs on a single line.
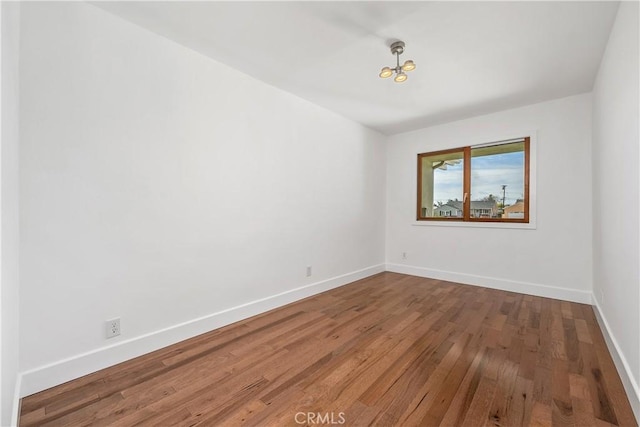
[[472, 57]]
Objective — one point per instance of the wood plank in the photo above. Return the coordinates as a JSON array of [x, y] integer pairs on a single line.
[[480, 407], [582, 330], [462, 400], [561, 407]]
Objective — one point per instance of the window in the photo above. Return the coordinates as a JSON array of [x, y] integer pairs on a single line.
[[483, 183]]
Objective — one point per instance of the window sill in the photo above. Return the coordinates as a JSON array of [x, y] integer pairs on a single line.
[[469, 224]]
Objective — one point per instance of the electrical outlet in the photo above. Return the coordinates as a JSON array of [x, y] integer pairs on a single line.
[[404, 255], [113, 327], [308, 271]]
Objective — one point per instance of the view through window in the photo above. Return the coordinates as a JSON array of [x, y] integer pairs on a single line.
[[489, 182]]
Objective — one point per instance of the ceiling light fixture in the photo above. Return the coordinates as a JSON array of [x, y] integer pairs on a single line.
[[396, 49]]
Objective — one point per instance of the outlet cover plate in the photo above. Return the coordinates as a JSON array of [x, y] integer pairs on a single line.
[[112, 328]]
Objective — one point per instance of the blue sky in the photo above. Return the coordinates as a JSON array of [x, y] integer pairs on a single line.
[[488, 174]]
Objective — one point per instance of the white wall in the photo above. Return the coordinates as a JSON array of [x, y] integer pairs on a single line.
[[551, 260], [160, 187], [9, 236], [616, 182]]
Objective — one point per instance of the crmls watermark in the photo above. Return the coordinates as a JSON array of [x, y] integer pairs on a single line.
[[325, 418]]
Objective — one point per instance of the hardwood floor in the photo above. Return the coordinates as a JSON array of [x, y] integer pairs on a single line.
[[387, 350]]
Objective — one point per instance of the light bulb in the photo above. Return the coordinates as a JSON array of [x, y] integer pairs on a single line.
[[408, 65], [400, 77], [386, 72]]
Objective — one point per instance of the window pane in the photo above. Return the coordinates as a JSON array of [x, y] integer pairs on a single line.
[[441, 185], [497, 181]]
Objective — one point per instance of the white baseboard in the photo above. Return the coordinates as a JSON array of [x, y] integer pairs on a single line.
[[50, 375], [15, 412], [624, 370], [566, 294]]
